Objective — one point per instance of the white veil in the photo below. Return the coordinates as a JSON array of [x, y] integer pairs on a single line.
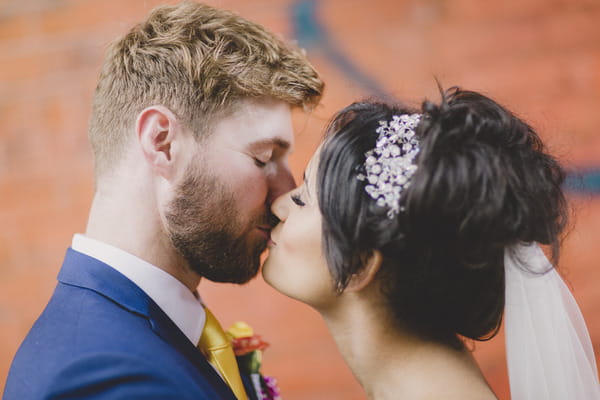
[[548, 348]]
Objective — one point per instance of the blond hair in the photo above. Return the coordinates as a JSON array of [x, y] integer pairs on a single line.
[[197, 61]]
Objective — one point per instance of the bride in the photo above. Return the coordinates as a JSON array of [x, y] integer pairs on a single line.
[[415, 232]]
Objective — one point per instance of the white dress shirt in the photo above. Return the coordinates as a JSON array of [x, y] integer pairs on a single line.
[[172, 296]]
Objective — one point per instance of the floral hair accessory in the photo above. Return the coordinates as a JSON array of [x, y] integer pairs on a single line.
[[390, 166]]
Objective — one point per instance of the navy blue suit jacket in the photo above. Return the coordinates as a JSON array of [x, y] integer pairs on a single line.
[[102, 337]]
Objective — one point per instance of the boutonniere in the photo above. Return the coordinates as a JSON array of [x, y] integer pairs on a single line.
[[248, 348]]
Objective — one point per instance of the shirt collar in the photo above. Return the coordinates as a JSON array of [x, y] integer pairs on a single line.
[[172, 296]]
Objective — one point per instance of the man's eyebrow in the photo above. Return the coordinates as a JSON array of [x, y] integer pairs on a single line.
[[277, 142]]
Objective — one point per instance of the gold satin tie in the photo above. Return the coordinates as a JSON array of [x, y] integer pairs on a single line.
[[216, 346]]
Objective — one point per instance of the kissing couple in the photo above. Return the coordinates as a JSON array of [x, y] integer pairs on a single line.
[[414, 232]]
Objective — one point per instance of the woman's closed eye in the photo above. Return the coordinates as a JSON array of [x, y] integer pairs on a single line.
[[297, 200]]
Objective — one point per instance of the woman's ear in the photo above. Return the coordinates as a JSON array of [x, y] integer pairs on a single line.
[[371, 263], [156, 130]]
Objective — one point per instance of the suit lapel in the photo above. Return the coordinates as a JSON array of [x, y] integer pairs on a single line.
[[87, 272]]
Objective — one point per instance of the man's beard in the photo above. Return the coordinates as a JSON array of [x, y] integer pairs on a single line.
[[207, 230]]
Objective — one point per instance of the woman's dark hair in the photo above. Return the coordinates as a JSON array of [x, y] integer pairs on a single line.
[[484, 182]]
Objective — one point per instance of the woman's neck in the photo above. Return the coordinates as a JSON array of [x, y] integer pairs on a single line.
[[391, 364]]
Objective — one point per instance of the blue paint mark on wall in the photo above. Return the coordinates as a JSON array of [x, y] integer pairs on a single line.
[[585, 182], [311, 34]]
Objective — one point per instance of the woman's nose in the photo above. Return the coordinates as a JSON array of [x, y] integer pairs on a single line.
[[280, 206], [280, 183]]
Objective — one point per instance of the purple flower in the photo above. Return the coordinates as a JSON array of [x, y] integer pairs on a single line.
[[272, 389]]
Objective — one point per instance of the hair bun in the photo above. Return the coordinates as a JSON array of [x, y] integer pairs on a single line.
[[484, 176], [483, 183]]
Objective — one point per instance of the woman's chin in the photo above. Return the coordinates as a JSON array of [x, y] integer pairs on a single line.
[[267, 271], [274, 277]]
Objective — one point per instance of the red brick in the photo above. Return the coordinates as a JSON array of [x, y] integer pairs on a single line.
[[540, 57]]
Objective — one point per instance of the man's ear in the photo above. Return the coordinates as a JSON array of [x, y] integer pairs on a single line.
[[156, 129], [371, 263]]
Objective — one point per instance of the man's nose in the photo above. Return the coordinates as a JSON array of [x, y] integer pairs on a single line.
[[280, 183]]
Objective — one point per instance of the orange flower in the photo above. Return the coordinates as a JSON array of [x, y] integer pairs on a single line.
[[245, 345]]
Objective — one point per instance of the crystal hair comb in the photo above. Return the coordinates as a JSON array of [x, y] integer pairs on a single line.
[[389, 167]]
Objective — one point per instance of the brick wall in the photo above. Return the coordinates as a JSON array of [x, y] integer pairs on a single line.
[[541, 57]]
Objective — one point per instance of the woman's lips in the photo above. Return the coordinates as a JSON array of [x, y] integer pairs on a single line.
[[266, 230]]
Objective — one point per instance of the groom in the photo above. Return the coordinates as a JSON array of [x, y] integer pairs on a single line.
[[191, 132]]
